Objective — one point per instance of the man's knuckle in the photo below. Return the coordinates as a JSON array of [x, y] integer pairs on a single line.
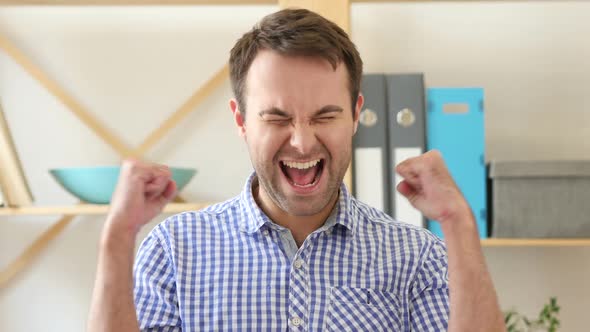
[[131, 163]]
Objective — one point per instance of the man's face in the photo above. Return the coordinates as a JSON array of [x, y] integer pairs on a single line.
[[298, 127]]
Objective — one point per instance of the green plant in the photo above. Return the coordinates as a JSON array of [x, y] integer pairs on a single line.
[[548, 319]]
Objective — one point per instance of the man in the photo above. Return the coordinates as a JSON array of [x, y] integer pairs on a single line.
[[293, 251]]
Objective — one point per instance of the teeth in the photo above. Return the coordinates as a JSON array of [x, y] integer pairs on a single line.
[[293, 164], [305, 185]]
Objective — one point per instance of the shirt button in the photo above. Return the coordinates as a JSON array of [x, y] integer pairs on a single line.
[[298, 263], [329, 231], [265, 232], [296, 321]]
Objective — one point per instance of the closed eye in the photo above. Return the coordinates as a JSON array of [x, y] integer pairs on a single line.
[[324, 119], [280, 122], [327, 114], [275, 116]]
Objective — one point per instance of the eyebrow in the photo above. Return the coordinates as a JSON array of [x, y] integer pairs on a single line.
[[329, 109], [324, 110], [273, 111]]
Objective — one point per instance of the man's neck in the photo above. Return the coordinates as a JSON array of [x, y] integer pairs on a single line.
[[300, 226]]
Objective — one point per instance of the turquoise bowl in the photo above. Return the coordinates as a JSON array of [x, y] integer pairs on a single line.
[[96, 184]]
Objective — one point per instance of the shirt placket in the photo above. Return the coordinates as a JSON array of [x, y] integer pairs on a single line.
[[299, 291]]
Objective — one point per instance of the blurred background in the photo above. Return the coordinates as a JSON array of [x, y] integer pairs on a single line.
[[132, 66]]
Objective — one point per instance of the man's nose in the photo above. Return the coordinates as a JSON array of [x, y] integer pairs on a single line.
[[303, 138]]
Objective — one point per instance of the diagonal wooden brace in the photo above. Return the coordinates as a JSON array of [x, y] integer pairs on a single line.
[[41, 243], [33, 250]]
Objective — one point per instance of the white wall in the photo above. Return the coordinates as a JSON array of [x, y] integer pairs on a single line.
[[532, 59], [132, 66]]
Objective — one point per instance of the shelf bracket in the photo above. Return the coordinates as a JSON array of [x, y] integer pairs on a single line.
[[102, 132]]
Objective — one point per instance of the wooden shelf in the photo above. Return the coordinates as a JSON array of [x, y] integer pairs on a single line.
[[89, 209], [93, 209], [573, 242]]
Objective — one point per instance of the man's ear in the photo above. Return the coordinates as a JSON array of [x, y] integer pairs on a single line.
[[239, 118], [357, 111]]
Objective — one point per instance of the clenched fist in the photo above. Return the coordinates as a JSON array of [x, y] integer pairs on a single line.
[[430, 188], [142, 191]]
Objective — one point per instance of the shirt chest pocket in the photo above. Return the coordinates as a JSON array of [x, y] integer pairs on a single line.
[[363, 309]]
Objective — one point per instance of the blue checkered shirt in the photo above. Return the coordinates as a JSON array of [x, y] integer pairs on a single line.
[[230, 268]]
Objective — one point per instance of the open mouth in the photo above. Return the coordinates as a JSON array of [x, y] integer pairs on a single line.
[[303, 174]]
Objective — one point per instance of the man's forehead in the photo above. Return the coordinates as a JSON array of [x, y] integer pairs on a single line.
[[271, 70], [272, 63], [294, 84]]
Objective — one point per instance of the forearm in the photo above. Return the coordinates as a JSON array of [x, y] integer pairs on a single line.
[[112, 307], [473, 301]]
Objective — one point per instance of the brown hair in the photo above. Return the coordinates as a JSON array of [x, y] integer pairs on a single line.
[[295, 32]]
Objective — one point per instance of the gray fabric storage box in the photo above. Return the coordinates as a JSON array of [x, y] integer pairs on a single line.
[[540, 199]]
